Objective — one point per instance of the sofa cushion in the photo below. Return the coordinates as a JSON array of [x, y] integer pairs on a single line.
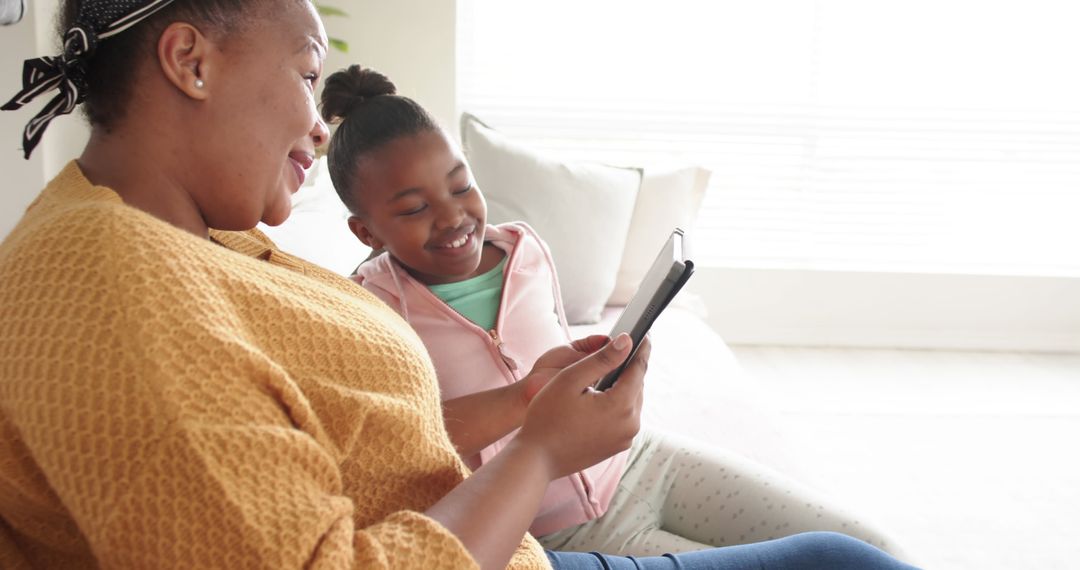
[[581, 209], [669, 198]]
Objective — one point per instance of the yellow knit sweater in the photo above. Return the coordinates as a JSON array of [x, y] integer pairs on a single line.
[[166, 402]]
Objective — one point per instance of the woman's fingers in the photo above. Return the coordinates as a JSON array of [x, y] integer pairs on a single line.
[[590, 344], [577, 427], [632, 377], [627, 395], [564, 355], [588, 370]]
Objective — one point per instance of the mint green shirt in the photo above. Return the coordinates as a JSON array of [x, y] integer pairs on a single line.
[[476, 298]]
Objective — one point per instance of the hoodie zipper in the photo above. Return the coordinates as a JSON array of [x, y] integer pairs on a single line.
[[501, 347]]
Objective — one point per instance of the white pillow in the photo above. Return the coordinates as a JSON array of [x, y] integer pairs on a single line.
[[318, 228], [582, 210], [669, 198]]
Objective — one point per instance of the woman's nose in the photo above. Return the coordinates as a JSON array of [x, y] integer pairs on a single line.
[[320, 133]]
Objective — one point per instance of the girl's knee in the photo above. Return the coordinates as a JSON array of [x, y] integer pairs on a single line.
[[824, 549]]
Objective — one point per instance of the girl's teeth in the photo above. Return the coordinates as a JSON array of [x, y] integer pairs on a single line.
[[457, 243]]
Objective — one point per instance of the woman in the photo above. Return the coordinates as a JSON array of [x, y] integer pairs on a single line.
[[176, 392]]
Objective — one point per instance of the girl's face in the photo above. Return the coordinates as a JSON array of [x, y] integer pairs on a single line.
[[420, 203], [264, 121]]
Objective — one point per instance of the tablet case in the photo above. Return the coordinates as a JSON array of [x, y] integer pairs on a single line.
[[678, 271]]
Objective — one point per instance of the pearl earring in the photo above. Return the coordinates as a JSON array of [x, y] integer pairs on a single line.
[[199, 84]]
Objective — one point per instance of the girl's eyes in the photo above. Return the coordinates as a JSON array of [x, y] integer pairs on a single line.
[[423, 207]]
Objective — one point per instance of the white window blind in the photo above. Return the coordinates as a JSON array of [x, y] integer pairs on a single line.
[[939, 136]]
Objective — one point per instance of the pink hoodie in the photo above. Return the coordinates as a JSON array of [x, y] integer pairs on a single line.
[[470, 359]]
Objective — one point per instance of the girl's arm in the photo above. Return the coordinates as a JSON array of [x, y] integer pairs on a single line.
[[567, 427], [477, 420]]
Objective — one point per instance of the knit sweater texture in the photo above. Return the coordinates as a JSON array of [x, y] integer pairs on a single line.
[[166, 402]]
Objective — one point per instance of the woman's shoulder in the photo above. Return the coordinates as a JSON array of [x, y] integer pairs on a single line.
[[55, 234], [79, 245], [71, 215], [57, 241]]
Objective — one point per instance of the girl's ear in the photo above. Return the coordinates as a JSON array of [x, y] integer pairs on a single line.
[[362, 233]]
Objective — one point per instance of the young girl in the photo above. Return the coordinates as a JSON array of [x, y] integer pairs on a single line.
[[486, 303]]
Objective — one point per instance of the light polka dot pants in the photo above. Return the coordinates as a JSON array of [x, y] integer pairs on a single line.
[[678, 496]]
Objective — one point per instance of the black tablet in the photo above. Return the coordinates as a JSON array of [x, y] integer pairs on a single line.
[[665, 278]]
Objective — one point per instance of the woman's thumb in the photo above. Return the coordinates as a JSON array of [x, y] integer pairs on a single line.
[[593, 367]]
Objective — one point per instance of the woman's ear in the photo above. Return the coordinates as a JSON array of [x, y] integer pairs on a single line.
[[361, 231], [185, 57]]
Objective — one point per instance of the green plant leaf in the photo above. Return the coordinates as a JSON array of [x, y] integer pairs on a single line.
[[325, 10], [339, 44]]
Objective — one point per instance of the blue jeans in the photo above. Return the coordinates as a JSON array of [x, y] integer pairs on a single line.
[[807, 551]]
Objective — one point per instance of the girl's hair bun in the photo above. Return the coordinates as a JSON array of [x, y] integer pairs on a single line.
[[349, 88]]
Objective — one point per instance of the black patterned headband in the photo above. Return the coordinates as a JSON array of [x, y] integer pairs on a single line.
[[97, 20]]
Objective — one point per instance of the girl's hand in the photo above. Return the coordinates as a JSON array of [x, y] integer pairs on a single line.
[[572, 425], [479, 419], [555, 360]]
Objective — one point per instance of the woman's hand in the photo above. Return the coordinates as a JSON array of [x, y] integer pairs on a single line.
[[568, 426], [574, 425]]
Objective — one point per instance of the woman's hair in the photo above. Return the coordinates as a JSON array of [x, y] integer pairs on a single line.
[[111, 70], [371, 114]]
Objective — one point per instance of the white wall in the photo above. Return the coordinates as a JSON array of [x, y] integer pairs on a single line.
[[410, 41]]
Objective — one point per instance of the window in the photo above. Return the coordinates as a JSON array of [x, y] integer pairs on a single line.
[[923, 136]]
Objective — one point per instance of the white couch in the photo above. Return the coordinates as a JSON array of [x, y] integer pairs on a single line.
[[695, 386]]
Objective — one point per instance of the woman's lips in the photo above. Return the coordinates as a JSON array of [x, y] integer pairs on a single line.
[[299, 173], [301, 161]]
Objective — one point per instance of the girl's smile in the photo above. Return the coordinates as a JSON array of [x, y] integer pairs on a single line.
[[418, 201], [456, 242]]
